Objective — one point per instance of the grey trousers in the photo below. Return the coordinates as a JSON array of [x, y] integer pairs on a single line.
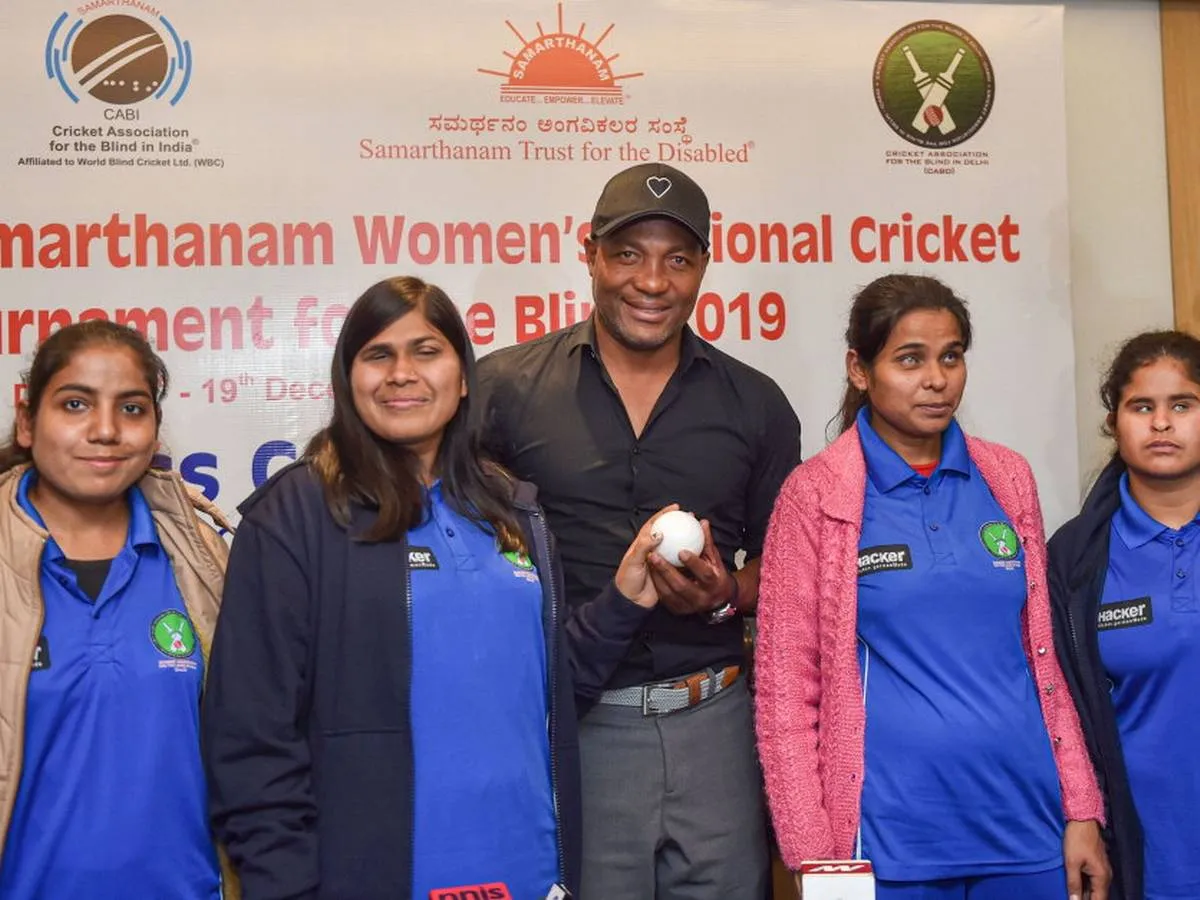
[[672, 804]]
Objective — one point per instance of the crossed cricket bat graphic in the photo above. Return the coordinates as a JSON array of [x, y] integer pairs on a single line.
[[935, 91]]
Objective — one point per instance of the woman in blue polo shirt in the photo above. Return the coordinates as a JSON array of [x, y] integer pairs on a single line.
[[109, 591], [1127, 615], [910, 706], [391, 709]]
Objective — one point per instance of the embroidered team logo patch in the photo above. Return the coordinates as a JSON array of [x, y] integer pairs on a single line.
[[1125, 614], [522, 565], [172, 635], [518, 559], [884, 558], [999, 539]]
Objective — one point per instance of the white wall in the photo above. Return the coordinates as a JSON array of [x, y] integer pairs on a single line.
[[1117, 180]]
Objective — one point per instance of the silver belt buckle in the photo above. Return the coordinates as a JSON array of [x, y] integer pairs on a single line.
[[646, 710], [646, 707]]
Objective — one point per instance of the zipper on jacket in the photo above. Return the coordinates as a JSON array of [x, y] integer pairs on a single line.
[[412, 784], [543, 532], [19, 750]]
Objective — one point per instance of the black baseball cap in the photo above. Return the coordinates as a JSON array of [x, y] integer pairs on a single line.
[[651, 189]]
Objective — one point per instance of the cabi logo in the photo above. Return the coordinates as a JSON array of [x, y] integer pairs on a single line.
[[934, 84], [560, 67], [119, 58]]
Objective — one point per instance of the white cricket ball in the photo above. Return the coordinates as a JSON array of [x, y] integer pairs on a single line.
[[680, 531]]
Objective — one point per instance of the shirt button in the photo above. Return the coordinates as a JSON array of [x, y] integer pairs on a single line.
[[637, 450], [925, 489], [449, 532], [1049, 689], [1057, 739], [1041, 651], [1179, 542], [933, 526], [1181, 574]]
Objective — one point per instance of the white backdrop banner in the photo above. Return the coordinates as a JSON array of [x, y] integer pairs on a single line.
[[229, 176]]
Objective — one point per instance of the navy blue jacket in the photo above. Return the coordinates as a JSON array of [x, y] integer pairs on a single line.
[[1078, 566], [306, 727]]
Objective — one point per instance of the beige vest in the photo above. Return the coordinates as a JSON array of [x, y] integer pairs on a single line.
[[198, 555]]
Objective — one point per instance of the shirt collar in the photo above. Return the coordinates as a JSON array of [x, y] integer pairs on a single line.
[[1134, 525], [433, 499], [887, 469], [142, 532], [691, 347]]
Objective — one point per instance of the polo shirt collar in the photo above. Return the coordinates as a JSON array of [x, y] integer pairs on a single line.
[[142, 532], [1134, 525], [887, 469], [691, 348]]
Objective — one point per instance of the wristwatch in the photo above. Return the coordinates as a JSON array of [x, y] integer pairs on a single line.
[[727, 610]]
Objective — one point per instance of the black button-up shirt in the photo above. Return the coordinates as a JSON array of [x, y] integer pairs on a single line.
[[720, 441]]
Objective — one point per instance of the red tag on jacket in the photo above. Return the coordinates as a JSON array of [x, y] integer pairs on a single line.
[[496, 890]]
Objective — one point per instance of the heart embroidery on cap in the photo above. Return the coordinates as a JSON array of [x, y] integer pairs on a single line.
[[658, 186]]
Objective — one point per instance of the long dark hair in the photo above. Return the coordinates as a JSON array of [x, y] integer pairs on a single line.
[[355, 465], [875, 311], [55, 354], [1142, 350]]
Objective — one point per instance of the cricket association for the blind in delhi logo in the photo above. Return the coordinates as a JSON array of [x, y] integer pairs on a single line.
[[560, 67], [934, 84], [518, 559], [999, 539], [522, 565], [119, 58], [172, 634]]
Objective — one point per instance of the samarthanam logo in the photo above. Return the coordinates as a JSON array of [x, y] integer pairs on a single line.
[[119, 58], [560, 67], [934, 84]]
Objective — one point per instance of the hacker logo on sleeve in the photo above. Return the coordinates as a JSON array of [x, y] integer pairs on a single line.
[[884, 558]]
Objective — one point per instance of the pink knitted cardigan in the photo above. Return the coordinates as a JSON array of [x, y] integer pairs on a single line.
[[809, 705]]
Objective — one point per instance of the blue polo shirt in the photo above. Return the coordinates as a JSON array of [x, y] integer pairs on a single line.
[[484, 807], [1149, 624], [112, 801], [960, 777]]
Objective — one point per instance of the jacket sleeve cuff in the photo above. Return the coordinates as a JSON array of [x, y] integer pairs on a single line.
[[624, 611], [1087, 813], [598, 635]]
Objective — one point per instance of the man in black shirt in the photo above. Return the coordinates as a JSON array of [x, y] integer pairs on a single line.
[[613, 419]]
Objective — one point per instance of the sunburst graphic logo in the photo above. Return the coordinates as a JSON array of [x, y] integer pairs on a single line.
[[561, 66], [119, 58]]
